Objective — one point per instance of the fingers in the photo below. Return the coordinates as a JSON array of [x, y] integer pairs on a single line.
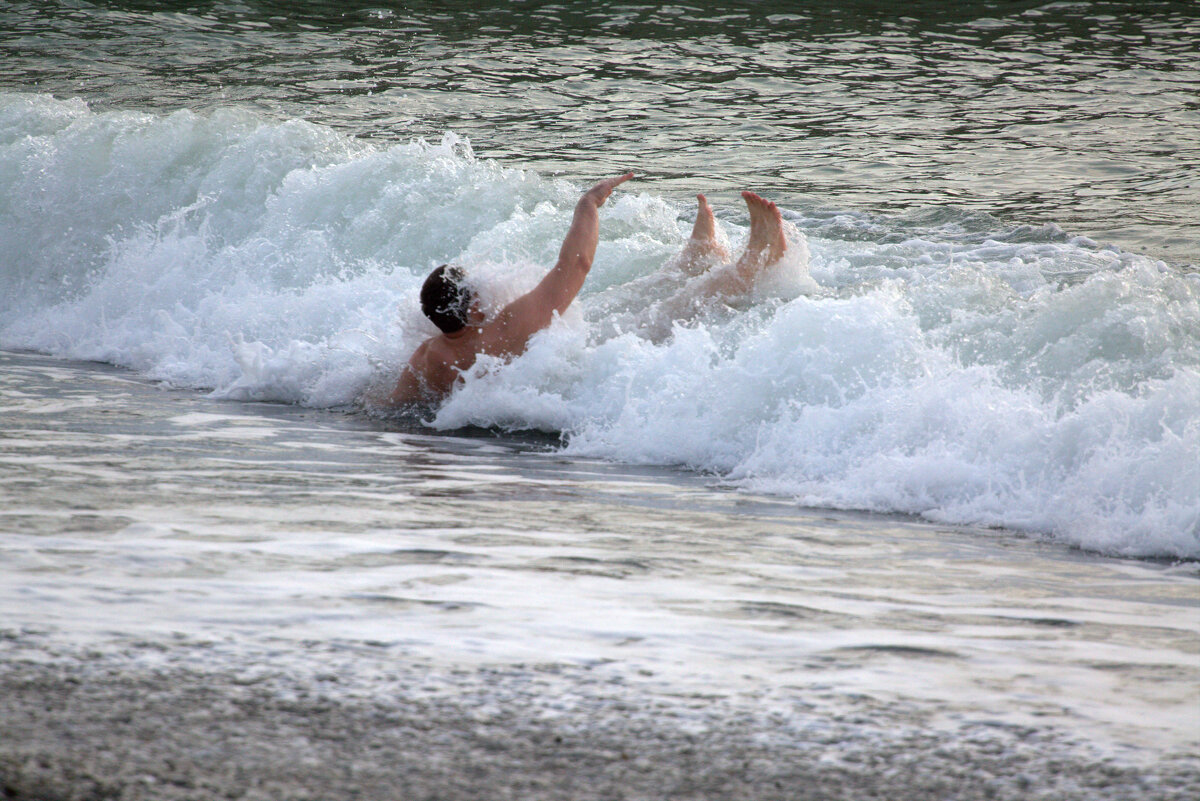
[[604, 188], [612, 183]]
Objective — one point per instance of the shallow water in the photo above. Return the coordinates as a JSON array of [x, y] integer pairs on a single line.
[[133, 514], [983, 349], [969, 373], [973, 324]]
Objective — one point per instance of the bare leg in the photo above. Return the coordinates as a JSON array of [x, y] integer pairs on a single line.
[[765, 246], [703, 250], [705, 228], [767, 243]]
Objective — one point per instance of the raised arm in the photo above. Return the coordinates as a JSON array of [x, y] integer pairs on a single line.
[[508, 332]]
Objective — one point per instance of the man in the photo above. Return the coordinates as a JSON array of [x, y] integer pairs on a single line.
[[438, 362]]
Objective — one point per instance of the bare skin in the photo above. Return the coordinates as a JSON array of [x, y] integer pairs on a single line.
[[439, 361], [767, 243], [703, 248], [765, 246]]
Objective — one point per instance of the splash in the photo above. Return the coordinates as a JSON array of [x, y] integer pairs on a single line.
[[950, 367]]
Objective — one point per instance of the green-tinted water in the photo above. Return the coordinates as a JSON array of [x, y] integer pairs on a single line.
[[1084, 115]]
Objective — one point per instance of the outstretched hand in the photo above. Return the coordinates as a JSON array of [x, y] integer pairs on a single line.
[[600, 192]]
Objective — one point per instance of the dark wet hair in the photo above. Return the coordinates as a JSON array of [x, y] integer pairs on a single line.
[[445, 299]]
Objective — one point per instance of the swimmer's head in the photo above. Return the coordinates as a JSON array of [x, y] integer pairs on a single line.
[[446, 299]]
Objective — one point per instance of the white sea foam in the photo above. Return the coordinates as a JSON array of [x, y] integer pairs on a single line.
[[1007, 377]]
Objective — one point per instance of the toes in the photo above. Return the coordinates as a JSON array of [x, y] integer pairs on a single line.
[[757, 206]]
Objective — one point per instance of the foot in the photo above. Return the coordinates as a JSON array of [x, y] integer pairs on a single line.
[[705, 228], [703, 249], [767, 243]]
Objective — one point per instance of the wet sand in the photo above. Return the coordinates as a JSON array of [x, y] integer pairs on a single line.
[[142, 724]]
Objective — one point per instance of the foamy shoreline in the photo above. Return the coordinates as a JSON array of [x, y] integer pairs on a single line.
[[143, 724], [964, 370]]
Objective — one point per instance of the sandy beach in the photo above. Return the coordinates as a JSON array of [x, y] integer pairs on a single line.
[[74, 728]]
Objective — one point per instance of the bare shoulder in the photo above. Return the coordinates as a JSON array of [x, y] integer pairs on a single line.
[[419, 380], [439, 363]]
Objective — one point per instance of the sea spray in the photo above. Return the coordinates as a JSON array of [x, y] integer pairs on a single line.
[[937, 363]]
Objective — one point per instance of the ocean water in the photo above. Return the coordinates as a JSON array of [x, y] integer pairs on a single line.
[[941, 364], [955, 434]]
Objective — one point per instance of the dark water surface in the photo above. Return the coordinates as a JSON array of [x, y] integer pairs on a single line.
[[1081, 114]]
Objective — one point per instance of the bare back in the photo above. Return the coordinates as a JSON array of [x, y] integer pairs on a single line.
[[433, 369], [438, 362]]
